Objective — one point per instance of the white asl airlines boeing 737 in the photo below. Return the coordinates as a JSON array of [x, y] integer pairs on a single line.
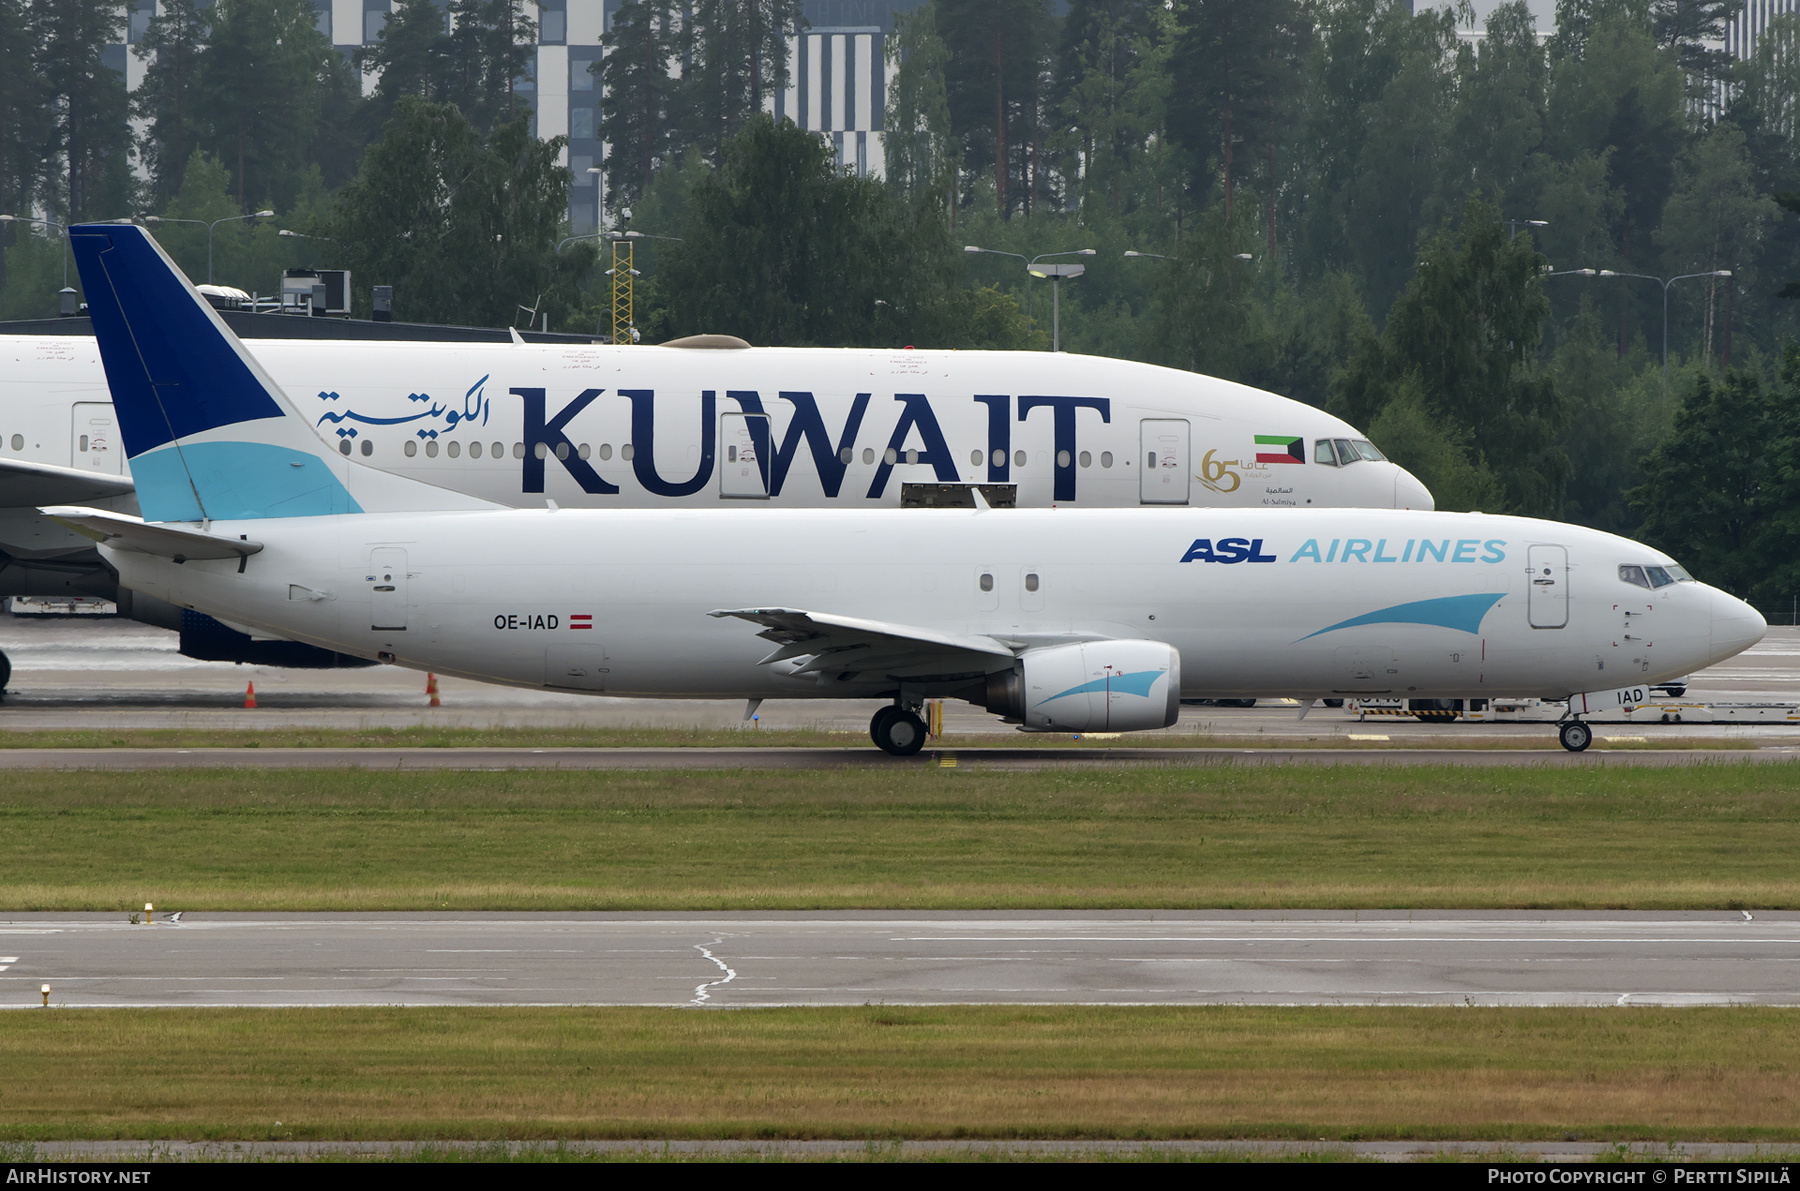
[[1056, 619]]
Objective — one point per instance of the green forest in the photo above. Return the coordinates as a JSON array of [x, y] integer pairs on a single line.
[[1551, 275]]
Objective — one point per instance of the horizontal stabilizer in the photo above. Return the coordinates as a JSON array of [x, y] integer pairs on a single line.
[[124, 532], [27, 485]]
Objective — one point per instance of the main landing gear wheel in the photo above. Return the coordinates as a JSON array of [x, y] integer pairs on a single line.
[[1575, 736], [897, 731], [5, 674]]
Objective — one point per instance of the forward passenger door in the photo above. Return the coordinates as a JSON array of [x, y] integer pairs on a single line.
[[1163, 454], [1548, 583]]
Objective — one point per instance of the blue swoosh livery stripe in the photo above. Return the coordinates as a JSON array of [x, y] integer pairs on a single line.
[[1138, 683], [1462, 613]]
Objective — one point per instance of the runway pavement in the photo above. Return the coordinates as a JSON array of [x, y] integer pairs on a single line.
[[1030, 957]]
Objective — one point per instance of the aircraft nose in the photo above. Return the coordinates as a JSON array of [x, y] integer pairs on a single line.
[[1409, 493], [1736, 626]]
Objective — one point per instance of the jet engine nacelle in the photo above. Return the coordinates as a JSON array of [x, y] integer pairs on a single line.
[[1093, 686]]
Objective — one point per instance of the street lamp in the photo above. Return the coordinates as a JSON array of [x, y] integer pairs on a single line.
[[1157, 256], [1665, 296], [209, 231], [1515, 224], [63, 231], [1054, 272]]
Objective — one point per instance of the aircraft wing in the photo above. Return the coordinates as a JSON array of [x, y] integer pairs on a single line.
[[848, 644], [124, 532], [28, 485]]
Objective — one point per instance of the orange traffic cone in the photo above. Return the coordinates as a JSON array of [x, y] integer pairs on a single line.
[[431, 689], [250, 696]]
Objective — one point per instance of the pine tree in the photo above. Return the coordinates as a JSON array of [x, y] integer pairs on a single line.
[[165, 99], [920, 154], [1232, 65], [24, 100], [635, 97], [489, 47], [259, 92], [738, 64], [1104, 42], [412, 54], [994, 84], [1694, 29], [88, 136]]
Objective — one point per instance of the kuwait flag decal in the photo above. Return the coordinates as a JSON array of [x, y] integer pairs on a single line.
[[1287, 449]]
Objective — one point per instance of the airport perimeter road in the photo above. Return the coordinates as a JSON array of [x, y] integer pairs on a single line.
[[742, 960], [116, 674]]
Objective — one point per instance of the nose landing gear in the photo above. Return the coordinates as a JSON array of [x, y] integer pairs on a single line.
[[1575, 735], [897, 731]]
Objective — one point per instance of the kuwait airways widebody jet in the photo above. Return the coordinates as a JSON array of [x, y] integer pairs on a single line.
[[1058, 619]]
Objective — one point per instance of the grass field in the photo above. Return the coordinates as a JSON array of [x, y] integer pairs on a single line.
[[431, 737], [1717, 835], [1338, 1074]]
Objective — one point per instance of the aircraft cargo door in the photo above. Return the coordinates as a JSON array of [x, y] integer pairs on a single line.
[[1163, 451], [94, 439], [1549, 599], [744, 471], [387, 589]]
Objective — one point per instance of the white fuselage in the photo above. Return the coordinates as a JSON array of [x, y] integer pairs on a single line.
[[1256, 601], [636, 427]]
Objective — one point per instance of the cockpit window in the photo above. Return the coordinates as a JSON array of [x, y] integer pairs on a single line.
[[1680, 573], [1322, 453], [1659, 577], [1634, 575], [1367, 450], [1346, 452]]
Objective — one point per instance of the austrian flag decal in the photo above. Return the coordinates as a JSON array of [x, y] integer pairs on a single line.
[[581, 620], [1287, 449]]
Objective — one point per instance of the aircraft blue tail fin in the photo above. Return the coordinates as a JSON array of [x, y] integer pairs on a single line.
[[209, 436]]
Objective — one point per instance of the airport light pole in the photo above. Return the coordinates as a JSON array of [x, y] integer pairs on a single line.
[[1666, 283], [209, 231], [62, 230], [1157, 256], [621, 273], [1054, 272], [292, 235], [1515, 224]]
